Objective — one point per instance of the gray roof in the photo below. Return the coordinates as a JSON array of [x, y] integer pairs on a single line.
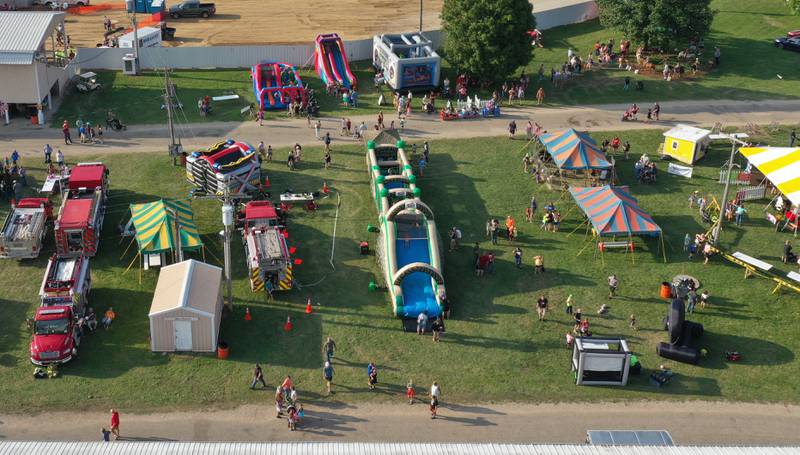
[[321, 448], [22, 33]]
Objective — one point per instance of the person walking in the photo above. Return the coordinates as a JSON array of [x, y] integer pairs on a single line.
[[792, 138], [422, 323], [372, 375], [435, 395], [48, 154], [740, 213], [260, 117], [327, 373], [717, 56], [656, 110], [279, 399], [269, 153], [512, 129], [262, 150], [410, 392], [115, 423], [613, 285], [437, 328], [65, 130], [258, 376], [329, 349], [327, 141], [692, 300], [518, 257], [540, 96], [541, 307], [60, 159]]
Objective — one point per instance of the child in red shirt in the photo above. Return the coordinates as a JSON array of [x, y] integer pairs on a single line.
[[410, 392]]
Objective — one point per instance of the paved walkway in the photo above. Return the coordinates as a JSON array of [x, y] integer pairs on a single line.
[[689, 423], [281, 133]]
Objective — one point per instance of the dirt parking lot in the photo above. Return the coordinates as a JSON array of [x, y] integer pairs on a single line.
[[241, 22]]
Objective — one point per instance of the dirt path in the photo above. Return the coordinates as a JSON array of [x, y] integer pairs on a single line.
[[689, 423], [281, 133]]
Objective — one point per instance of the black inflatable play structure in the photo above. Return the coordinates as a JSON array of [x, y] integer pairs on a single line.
[[681, 335]]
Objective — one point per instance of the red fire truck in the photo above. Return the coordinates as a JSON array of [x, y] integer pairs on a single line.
[[268, 255], [80, 219]]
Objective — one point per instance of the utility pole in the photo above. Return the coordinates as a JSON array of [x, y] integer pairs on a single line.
[[420, 16], [718, 227], [135, 44], [169, 91]]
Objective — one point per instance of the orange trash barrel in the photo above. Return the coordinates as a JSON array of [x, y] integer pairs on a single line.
[[666, 290], [223, 351]]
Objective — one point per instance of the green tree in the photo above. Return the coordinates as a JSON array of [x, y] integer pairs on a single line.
[[659, 23], [487, 38], [794, 5]]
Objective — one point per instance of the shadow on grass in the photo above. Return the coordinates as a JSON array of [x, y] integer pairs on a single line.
[[12, 330]]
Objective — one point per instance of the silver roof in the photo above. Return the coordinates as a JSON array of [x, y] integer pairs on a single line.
[[22, 34], [321, 448]]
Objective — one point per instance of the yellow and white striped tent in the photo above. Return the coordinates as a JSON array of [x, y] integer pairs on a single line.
[[781, 165]]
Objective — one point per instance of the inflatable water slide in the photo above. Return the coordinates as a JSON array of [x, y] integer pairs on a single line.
[[408, 243], [330, 61], [276, 85]]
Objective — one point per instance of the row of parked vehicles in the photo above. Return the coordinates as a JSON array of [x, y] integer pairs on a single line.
[[64, 293]]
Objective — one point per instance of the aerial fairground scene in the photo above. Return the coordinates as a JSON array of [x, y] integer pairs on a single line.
[[400, 227]]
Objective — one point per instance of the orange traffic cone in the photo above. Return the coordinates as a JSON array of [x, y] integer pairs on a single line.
[[266, 182], [247, 316], [288, 326], [309, 310]]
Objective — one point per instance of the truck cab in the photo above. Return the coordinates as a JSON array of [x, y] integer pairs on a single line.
[[55, 335], [191, 8]]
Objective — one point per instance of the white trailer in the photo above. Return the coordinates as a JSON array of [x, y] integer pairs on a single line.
[[148, 37]]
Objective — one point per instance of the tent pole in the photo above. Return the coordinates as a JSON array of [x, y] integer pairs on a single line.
[[573, 231], [203, 252], [663, 249], [630, 240], [131, 264], [584, 247], [141, 265], [129, 247]]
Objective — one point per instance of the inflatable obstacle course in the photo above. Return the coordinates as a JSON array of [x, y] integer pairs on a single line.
[[408, 241]]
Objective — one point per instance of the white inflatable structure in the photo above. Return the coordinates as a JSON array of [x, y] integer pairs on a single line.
[[407, 60]]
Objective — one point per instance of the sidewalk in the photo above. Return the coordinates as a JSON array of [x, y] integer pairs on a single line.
[[711, 423], [285, 133]]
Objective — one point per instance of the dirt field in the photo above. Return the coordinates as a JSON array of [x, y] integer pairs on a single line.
[[273, 22]]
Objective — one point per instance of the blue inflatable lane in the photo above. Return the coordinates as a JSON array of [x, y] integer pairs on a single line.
[[418, 293]]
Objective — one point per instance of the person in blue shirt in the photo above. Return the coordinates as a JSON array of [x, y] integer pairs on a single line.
[[14, 157], [422, 167]]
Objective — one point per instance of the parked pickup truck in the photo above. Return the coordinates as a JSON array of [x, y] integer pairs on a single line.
[[192, 8], [24, 228], [55, 335]]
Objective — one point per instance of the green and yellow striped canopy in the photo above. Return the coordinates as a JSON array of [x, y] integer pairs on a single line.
[[155, 226]]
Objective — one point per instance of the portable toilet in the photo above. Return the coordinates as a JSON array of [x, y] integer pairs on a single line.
[[686, 143]]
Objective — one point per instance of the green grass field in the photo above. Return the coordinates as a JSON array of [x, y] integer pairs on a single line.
[[494, 349], [750, 65]]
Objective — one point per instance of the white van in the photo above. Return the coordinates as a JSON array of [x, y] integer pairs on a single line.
[[62, 3]]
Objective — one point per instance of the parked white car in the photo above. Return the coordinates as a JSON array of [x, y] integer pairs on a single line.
[[61, 3]]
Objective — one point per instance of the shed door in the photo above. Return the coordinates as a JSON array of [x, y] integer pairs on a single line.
[[183, 335]]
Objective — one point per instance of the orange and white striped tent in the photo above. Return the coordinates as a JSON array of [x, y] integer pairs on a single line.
[[781, 165]]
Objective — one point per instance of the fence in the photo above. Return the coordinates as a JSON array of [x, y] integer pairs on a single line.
[[186, 57], [751, 193], [299, 55]]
